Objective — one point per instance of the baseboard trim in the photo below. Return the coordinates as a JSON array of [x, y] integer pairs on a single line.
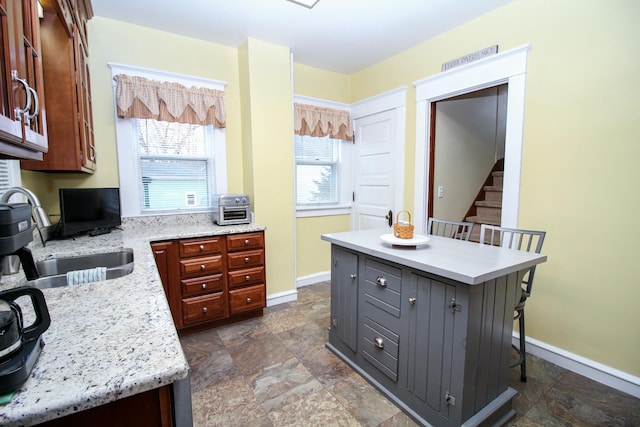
[[312, 279], [281, 297], [591, 369]]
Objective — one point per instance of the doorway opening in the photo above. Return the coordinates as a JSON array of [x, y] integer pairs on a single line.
[[467, 143], [507, 68]]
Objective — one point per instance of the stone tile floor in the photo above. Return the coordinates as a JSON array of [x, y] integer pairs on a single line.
[[275, 371]]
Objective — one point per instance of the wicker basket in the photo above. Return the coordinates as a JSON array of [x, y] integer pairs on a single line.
[[403, 230]]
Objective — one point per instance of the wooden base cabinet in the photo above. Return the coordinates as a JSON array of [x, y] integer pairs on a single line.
[[211, 281], [438, 348]]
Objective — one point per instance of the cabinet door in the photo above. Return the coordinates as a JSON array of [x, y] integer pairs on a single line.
[[429, 348], [165, 255], [22, 130], [344, 296]]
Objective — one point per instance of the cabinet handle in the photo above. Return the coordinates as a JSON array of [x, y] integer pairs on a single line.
[[247, 278], [381, 281], [412, 300], [204, 309], [378, 342], [202, 267], [19, 112], [353, 277], [204, 286], [201, 248], [248, 300], [36, 105], [246, 242], [246, 260], [94, 153]]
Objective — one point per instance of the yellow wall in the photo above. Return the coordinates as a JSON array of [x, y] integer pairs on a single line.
[[579, 163], [266, 85], [312, 254]]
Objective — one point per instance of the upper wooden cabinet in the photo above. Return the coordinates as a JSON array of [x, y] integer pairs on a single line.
[[23, 131], [67, 88]]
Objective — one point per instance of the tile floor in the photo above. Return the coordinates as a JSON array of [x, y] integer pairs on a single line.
[[275, 371]]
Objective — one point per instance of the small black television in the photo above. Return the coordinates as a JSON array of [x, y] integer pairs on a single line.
[[92, 210]]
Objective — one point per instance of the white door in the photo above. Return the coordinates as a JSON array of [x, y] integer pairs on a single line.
[[378, 150]]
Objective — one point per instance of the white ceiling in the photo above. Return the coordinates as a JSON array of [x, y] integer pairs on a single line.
[[337, 35]]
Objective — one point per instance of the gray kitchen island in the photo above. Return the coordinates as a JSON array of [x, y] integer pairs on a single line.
[[430, 326]]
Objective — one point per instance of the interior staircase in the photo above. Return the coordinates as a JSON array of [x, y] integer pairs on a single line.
[[487, 207]]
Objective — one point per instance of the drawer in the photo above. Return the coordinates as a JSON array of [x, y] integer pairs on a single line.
[[197, 247], [201, 266], [240, 242], [204, 308], [247, 299], [380, 347], [246, 277], [245, 259], [383, 282], [202, 285]]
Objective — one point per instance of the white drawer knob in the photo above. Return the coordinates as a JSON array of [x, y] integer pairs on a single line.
[[204, 309], [202, 267], [246, 242], [247, 278], [204, 286], [246, 260], [201, 248], [248, 300]]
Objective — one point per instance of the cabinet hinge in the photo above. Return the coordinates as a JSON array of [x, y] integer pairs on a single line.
[[449, 399], [455, 306]]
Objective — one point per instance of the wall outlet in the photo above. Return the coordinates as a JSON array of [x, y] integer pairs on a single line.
[[440, 192]]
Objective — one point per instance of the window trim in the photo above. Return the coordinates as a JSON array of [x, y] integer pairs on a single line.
[[346, 166], [127, 154]]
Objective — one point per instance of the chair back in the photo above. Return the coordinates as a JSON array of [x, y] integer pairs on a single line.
[[517, 239], [452, 229]]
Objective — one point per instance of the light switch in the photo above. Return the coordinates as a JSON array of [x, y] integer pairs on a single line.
[[440, 191]]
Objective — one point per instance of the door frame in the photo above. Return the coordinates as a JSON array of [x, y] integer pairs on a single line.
[[508, 67], [395, 99]]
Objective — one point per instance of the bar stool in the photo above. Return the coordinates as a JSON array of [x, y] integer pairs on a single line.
[[453, 229], [522, 240]]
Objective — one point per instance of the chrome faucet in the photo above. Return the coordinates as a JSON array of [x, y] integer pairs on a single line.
[[39, 215]]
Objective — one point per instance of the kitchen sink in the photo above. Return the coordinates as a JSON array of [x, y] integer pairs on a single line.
[[53, 272]]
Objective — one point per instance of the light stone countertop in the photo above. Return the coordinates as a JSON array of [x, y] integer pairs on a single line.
[[462, 261], [107, 340]]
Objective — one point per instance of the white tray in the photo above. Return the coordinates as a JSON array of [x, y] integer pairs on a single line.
[[418, 239]]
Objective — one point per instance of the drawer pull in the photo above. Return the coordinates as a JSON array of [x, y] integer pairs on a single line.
[[202, 267], [381, 281], [378, 342], [204, 309], [246, 260], [247, 278], [353, 277], [201, 248], [246, 242], [248, 300], [204, 286], [412, 300]]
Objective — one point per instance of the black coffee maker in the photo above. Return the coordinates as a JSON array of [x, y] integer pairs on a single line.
[[20, 345]]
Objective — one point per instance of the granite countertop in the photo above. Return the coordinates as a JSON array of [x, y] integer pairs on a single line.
[[111, 339], [466, 262]]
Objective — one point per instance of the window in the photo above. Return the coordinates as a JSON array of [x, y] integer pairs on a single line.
[[168, 167], [9, 176], [323, 176], [175, 165]]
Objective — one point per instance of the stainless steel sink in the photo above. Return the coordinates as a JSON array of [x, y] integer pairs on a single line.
[[53, 272]]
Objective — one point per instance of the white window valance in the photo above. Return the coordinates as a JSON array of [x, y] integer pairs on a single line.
[[139, 97], [320, 121]]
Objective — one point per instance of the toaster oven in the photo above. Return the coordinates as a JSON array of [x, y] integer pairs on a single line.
[[231, 209]]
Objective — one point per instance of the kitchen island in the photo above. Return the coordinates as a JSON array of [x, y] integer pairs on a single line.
[[430, 326], [110, 340]]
